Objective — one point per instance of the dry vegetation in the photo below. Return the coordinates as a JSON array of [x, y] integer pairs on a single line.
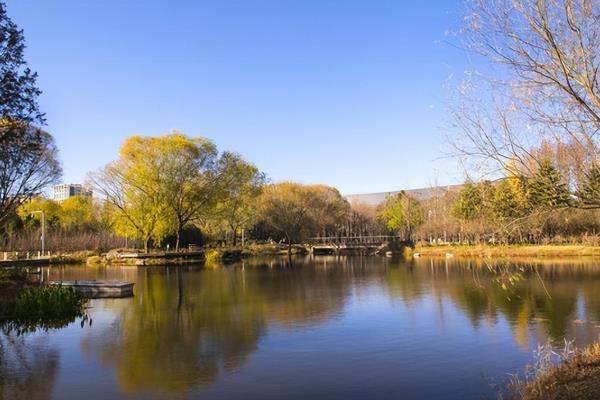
[[578, 377], [568, 250]]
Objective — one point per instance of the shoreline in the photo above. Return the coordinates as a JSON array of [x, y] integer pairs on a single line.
[[575, 378], [500, 251], [230, 254]]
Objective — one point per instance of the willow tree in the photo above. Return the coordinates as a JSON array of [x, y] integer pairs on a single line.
[[159, 185], [241, 184], [186, 175], [543, 91], [136, 207], [27, 153]]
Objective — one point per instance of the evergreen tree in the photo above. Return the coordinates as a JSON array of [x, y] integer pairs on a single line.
[[469, 204], [509, 199], [589, 192], [547, 189]]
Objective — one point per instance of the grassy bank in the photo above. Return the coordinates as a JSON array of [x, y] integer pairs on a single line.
[[576, 378], [275, 249], [511, 250], [27, 259]]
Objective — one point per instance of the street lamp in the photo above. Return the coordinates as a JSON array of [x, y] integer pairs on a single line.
[[43, 238]]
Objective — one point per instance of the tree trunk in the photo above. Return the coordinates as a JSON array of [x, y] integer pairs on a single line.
[[179, 291], [177, 241], [234, 241], [289, 253], [146, 245]]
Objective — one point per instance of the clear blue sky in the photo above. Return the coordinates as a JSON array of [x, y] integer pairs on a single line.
[[346, 93]]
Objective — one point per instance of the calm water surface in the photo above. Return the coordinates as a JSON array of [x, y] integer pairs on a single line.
[[324, 328]]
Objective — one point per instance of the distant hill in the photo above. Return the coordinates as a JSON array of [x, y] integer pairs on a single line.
[[422, 194]]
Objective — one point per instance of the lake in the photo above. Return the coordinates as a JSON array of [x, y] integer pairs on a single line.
[[321, 328]]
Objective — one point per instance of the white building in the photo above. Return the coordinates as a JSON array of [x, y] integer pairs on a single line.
[[66, 190]]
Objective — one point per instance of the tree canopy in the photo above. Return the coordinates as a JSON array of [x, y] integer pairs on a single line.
[[241, 183], [300, 211], [402, 213], [161, 185], [543, 101], [28, 154]]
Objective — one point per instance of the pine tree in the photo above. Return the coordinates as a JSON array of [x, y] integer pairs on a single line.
[[547, 189], [589, 192], [469, 204]]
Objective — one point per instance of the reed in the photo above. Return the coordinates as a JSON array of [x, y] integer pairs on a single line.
[[566, 374]]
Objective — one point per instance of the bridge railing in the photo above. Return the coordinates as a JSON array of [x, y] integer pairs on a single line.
[[352, 240]]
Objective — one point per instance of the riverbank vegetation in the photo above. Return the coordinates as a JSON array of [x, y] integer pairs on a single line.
[[529, 130], [543, 156], [75, 224], [569, 374], [515, 250], [26, 306], [532, 167]]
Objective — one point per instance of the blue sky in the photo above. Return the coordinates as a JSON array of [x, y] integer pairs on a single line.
[[346, 93]]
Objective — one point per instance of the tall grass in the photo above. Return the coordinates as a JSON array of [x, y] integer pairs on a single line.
[[522, 250], [553, 372], [64, 241]]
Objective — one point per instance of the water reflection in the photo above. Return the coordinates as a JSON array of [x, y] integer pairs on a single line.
[[553, 298], [181, 328], [187, 328], [27, 368], [185, 325]]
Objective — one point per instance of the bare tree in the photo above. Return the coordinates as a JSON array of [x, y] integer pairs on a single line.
[[27, 154], [27, 165], [540, 88], [136, 206]]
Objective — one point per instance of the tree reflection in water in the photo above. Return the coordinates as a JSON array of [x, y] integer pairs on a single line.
[[27, 367], [186, 325], [542, 298]]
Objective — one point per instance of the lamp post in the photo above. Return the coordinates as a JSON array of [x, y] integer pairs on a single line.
[[43, 238]]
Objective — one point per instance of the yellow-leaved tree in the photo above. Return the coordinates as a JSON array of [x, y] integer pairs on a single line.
[[298, 211], [77, 214], [240, 184], [158, 185]]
